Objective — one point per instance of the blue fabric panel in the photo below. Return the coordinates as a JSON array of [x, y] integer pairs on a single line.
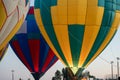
[[30, 17], [23, 41], [44, 48], [32, 27]]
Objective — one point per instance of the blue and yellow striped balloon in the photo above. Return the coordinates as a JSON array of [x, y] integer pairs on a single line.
[[77, 30]]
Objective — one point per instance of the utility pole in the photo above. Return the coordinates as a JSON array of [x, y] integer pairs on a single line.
[[112, 69], [118, 67], [12, 74]]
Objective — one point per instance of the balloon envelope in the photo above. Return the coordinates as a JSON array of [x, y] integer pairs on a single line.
[[77, 30], [3, 51], [31, 48], [12, 15]]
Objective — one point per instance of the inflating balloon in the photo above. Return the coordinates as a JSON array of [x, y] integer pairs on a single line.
[[77, 30], [12, 15], [31, 48]]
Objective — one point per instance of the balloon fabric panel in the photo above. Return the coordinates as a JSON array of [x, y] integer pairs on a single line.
[[34, 49], [3, 51]]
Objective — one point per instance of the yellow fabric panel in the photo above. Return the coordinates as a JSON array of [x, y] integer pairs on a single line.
[[41, 27], [64, 42], [116, 20], [3, 15], [59, 12], [92, 3], [1, 51], [16, 28], [118, 12], [76, 11], [94, 13], [108, 38], [4, 49], [90, 35], [82, 7], [72, 11], [54, 13]]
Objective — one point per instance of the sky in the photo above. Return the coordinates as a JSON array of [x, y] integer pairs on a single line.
[[100, 67]]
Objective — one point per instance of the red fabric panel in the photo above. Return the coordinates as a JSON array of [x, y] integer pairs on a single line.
[[34, 46], [48, 60], [31, 11], [18, 51]]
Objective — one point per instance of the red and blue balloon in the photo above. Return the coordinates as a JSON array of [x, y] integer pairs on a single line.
[[31, 48]]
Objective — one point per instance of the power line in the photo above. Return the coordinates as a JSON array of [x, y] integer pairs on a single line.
[[104, 60]]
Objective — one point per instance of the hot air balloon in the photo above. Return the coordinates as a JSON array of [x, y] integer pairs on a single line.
[[31, 48], [3, 51], [77, 30], [12, 15]]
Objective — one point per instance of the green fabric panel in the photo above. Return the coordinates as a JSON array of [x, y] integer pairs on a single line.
[[115, 4], [107, 21], [108, 18], [53, 2], [37, 4], [14, 38], [101, 3], [47, 22], [110, 0], [110, 5], [30, 17], [27, 2], [79, 72], [33, 36], [118, 4], [76, 33]]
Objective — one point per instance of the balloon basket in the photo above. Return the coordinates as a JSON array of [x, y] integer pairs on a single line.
[[68, 74], [37, 75]]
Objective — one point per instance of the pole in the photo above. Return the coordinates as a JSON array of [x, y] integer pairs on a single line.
[[112, 69], [118, 66], [12, 74]]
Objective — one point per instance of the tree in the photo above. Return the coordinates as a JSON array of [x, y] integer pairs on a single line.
[[57, 75]]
